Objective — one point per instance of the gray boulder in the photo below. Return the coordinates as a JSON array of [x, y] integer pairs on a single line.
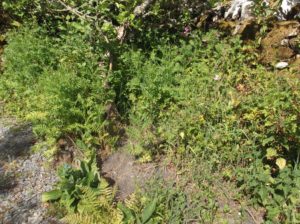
[[241, 9]]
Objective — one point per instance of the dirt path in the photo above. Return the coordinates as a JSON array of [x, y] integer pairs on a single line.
[[23, 176]]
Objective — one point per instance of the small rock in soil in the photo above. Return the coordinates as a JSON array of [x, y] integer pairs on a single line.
[[281, 65]]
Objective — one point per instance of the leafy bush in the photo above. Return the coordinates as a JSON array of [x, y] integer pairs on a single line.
[[21, 8], [104, 18], [205, 96]]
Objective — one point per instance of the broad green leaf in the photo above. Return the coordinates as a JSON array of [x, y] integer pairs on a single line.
[[267, 140], [128, 215], [148, 211], [51, 195], [16, 23]]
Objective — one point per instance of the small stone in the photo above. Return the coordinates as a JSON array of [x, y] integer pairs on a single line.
[[281, 65], [293, 33], [217, 78], [284, 42]]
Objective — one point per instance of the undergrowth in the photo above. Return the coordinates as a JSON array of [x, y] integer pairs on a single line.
[[204, 97], [209, 98], [56, 84], [86, 197]]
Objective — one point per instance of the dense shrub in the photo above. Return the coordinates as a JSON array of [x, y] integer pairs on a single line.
[[146, 26]]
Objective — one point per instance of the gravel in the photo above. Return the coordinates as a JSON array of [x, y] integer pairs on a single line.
[[24, 178]]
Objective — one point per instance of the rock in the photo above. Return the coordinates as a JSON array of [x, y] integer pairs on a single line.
[[281, 65], [284, 42], [240, 9], [294, 32], [289, 9], [247, 29], [279, 42]]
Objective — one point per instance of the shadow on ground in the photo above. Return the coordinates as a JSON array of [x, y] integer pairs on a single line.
[[15, 141]]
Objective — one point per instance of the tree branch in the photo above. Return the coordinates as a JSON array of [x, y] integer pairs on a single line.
[[140, 10], [75, 11]]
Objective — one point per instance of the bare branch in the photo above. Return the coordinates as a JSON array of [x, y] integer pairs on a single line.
[[75, 11]]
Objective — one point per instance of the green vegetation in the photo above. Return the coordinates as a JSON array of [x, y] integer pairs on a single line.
[[201, 99], [66, 93], [84, 195]]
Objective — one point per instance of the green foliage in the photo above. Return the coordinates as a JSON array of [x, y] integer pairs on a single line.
[[204, 97], [279, 195], [57, 84], [23, 8], [84, 195], [201, 98], [102, 18], [168, 202], [69, 190], [167, 20], [130, 215], [95, 207]]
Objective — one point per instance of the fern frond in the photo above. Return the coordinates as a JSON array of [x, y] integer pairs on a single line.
[[92, 219], [89, 202], [132, 203], [79, 219], [96, 207], [106, 191]]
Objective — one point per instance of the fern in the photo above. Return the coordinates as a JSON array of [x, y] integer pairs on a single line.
[[86, 197], [132, 203], [96, 206]]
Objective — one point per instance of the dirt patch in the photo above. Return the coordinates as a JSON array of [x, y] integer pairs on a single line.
[[123, 171]]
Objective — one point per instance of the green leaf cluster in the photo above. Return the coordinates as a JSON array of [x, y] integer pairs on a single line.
[[86, 197]]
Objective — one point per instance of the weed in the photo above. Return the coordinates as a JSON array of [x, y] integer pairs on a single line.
[[85, 196], [202, 98]]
